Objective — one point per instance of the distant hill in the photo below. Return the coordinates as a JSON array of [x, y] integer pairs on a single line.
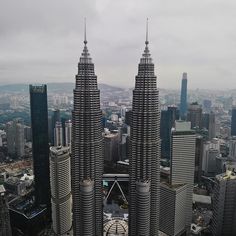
[[54, 87]]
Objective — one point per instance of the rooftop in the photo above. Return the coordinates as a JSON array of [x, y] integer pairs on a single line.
[[201, 198], [116, 226], [229, 174], [59, 150], [13, 181], [172, 186], [26, 207]]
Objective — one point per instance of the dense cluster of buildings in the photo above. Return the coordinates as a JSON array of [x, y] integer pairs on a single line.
[[179, 161]]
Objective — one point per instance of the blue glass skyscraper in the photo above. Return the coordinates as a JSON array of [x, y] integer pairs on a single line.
[[168, 118], [40, 147]]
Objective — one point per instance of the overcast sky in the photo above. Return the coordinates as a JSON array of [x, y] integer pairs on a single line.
[[41, 41]]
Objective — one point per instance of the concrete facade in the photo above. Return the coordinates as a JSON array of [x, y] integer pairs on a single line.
[[172, 208], [183, 163], [60, 180]]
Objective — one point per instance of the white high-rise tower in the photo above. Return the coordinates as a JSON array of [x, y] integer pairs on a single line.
[[60, 180]]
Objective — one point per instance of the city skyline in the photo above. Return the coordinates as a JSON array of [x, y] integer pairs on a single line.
[[129, 158], [195, 37]]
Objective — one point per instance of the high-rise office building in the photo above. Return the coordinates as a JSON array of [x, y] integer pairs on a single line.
[[168, 118], [0, 140], [144, 153], [56, 117], [194, 115], [68, 133], [210, 161], [205, 120], [211, 152], [28, 134], [123, 110], [128, 117], [232, 148], [15, 137], [207, 105], [224, 205], [183, 162], [58, 134], [209, 122], [87, 151], [173, 114], [123, 147], [172, 205], [233, 122], [183, 97], [198, 159], [60, 179], [227, 103], [111, 147], [40, 147], [10, 134], [20, 138], [5, 227]]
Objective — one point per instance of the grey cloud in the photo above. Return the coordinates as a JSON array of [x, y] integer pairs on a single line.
[[42, 40]]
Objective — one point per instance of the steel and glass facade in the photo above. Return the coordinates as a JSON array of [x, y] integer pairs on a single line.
[[40, 147], [144, 153], [87, 153]]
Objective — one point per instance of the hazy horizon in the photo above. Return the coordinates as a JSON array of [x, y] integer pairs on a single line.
[[41, 42], [120, 87]]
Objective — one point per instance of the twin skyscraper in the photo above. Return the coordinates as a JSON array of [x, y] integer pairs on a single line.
[[144, 151]]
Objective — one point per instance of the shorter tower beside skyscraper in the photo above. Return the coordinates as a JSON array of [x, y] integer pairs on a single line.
[[68, 133], [198, 159], [5, 227], [20, 138], [212, 126], [172, 214], [10, 134], [40, 146], [183, 97], [168, 118], [111, 147], [232, 148], [176, 195], [60, 179], [233, 122], [15, 137], [58, 135], [56, 117], [209, 122], [194, 115], [224, 205], [183, 162]]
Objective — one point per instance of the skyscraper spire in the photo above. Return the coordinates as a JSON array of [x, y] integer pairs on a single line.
[[146, 57], [85, 57], [146, 42], [85, 33]]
